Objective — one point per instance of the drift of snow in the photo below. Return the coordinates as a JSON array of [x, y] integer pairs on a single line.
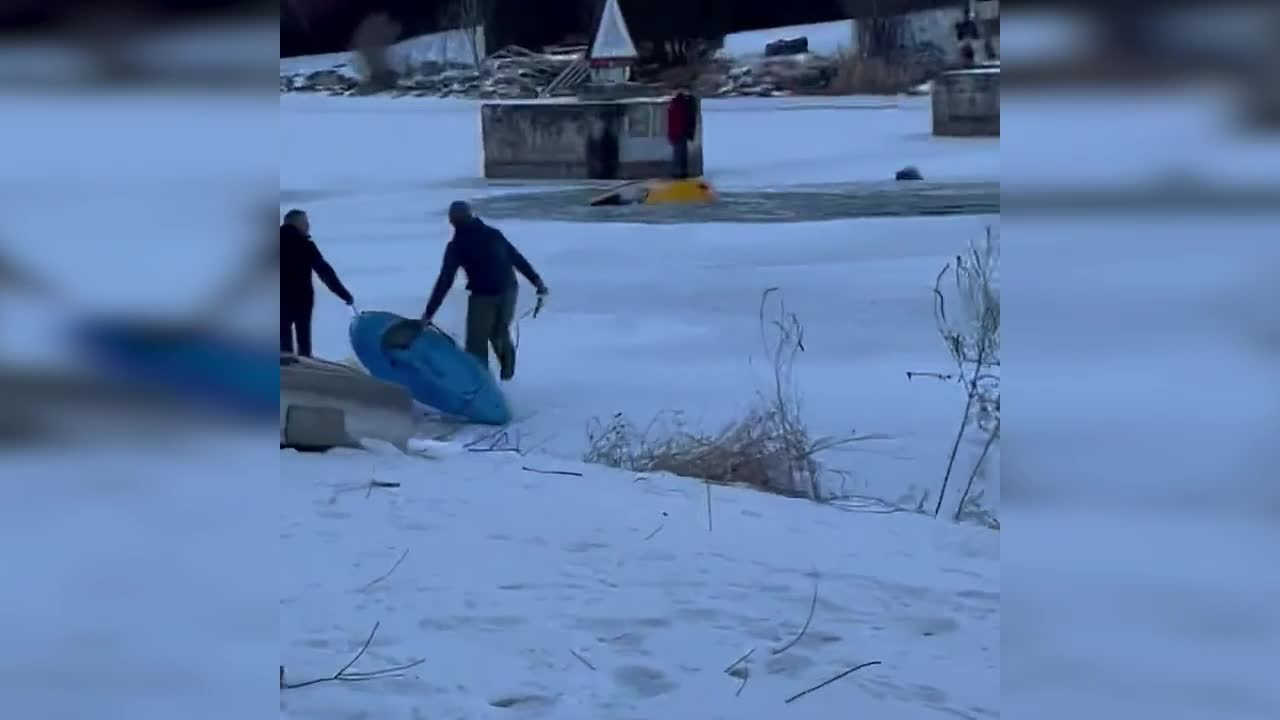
[[537, 586], [604, 596]]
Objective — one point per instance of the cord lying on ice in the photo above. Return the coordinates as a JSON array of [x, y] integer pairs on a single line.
[[344, 676]]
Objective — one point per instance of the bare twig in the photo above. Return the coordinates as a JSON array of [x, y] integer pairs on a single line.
[[655, 532], [745, 676], [499, 441], [991, 438], [344, 676], [813, 605], [740, 660], [911, 375], [582, 660], [368, 487], [977, 346], [379, 484], [708, 505], [387, 574], [825, 683], [570, 473], [970, 401]]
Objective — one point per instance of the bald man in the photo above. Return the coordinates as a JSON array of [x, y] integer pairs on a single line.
[[490, 262]]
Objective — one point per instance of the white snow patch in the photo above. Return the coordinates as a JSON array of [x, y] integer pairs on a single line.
[[631, 298], [599, 596], [532, 584], [450, 46]]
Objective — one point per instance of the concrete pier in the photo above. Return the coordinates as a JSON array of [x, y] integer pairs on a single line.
[[966, 103], [575, 140]]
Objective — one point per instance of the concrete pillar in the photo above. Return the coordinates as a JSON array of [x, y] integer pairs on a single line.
[[967, 103], [562, 139]]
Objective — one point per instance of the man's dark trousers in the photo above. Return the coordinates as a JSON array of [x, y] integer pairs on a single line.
[[489, 319], [295, 320], [680, 160]]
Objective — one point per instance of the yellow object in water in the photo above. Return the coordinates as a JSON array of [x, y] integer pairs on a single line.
[[694, 190], [658, 192]]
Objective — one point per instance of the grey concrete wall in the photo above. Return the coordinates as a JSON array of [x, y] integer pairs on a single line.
[[967, 103], [551, 140]]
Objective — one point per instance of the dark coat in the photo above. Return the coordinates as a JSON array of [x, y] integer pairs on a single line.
[[487, 257], [299, 258]]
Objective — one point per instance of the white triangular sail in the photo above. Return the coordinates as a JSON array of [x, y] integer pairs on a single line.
[[613, 39]]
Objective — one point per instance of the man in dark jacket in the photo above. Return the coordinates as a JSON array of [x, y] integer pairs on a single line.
[[299, 258], [490, 262]]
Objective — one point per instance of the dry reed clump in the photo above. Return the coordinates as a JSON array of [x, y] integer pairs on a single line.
[[769, 448]]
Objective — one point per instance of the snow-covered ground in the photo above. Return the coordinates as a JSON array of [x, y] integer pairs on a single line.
[[500, 574], [509, 571], [626, 299]]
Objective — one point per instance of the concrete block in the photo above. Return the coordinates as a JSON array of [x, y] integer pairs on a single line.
[[314, 427], [569, 139], [966, 103], [324, 404]]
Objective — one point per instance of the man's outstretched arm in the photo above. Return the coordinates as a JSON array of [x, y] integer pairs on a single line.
[[448, 271], [329, 276], [523, 266]]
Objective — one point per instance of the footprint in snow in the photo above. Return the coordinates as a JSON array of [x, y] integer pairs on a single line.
[[529, 701], [645, 682]]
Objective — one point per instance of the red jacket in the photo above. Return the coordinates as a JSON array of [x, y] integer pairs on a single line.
[[682, 118]]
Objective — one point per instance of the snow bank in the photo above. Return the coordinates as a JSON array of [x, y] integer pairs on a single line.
[[451, 46], [596, 594]]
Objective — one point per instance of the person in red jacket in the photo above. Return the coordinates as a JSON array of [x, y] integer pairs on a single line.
[[682, 126]]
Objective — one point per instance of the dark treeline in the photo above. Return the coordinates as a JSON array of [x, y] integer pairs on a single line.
[[319, 26]]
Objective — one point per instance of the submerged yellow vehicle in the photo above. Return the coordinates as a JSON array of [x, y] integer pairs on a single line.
[[665, 191]]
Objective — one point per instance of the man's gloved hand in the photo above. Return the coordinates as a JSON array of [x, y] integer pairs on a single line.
[[542, 290]]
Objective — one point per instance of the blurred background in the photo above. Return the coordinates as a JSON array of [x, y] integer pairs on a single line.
[[137, 489], [1141, 185], [1140, 190]]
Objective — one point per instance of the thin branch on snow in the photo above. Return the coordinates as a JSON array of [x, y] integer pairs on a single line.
[[570, 473], [825, 683], [708, 484], [387, 574], [582, 660], [368, 487], [970, 403], [986, 448], [912, 374], [655, 532], [499, 441], [739, 661], [379, 484], [344, 676], [813, 605], [744, 674]]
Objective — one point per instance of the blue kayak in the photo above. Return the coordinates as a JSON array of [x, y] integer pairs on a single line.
[[205, 367], [427, 362]]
